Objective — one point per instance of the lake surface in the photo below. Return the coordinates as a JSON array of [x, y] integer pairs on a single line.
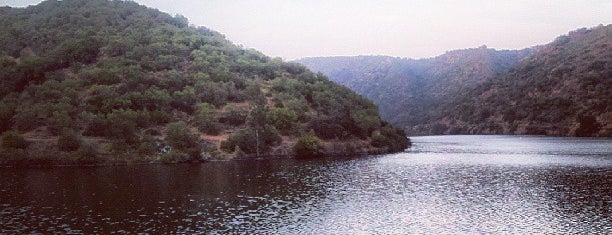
[[443, 185]]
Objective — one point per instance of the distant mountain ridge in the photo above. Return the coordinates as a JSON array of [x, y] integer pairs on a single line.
[[562, 88], [405, 89]]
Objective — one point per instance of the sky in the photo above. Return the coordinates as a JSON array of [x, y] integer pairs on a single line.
[[293, 29]]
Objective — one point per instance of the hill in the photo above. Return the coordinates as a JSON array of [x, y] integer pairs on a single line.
[[407, 90], [564, 89], [113, 81]]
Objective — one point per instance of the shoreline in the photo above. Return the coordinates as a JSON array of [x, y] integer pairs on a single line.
[[101, 161]]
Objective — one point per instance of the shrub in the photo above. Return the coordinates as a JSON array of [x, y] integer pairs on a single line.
[[148, 145], [122, 125], [283, 119], [394, 139], [227, 145], [298, 105], [87, 152], [68, 141], [210, 127], [181, 138], [365, 121], [379, 141], [14, 140], [159, 117], [119, 146], [207, 120], [59, 121], [26, 119], [327, 128], [96, 127], [234, 115], [308, 146], [174, 157], [247, 139], [8, 105]]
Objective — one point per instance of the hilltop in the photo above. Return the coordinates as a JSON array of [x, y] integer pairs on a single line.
[[113, 82]]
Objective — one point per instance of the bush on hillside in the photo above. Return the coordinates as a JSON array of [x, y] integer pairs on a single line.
[[247, 140], [308, 146], [14, 140], [180, 138], [68, 141]]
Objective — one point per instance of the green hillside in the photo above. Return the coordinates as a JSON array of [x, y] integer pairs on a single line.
[[564, 89], [113, 81]]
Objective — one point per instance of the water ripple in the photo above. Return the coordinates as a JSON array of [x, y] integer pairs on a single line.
[[444, 185]]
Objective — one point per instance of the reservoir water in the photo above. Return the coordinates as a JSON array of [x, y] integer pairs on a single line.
[[442, 185]]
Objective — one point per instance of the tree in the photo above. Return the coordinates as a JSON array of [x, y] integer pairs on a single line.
[[7, 111], [379, 141], [234, 115], [283, 119], [68, 141], [366, 120], [180, 138], [11, 139], [26, 118], [328, 128], [206, 118], [121, 126], [252, 140], [97, 126], [308, 146], [396, 139], [59, 121], [254, 94]]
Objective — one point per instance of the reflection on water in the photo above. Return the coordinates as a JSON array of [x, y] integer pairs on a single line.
[[447, 184]]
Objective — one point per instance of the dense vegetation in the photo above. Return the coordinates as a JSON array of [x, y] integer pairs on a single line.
[[116, 81], [563, 88], [406, 90]]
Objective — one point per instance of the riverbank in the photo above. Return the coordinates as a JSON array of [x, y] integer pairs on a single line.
[[42, 152]]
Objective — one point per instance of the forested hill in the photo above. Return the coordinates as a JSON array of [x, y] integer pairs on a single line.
[[407, 90], [99, 81], [564, 89]]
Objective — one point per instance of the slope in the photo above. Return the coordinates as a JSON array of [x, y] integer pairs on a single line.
[[406, 90], [564, 89], [113, 81]]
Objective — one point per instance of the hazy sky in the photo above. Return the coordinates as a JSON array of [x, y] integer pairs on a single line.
[[421, 28]]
